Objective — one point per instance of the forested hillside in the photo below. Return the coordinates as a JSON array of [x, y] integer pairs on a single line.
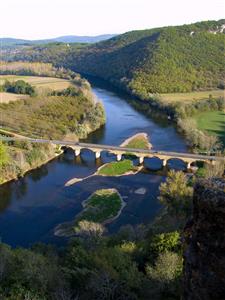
[[162, 60]]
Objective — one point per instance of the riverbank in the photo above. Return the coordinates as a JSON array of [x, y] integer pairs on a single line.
[[17, 166]]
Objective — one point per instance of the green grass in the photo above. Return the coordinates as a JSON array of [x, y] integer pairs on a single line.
[[213, 123], [116, 168], [102, 205], [190, 97], [138, 143]]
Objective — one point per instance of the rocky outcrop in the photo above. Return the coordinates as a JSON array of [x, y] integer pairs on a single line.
[[204, 243]]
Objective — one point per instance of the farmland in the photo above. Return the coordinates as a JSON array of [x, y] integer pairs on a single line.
[[42, 84], [8, 97]]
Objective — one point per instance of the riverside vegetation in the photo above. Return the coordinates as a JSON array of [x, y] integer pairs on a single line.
[[69, 113]]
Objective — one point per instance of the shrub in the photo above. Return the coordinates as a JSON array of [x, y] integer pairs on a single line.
[[165, 242]]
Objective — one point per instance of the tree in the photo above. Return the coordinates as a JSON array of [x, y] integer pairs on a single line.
[[89, 229], [175, 193], [165, 276], [90, 233]]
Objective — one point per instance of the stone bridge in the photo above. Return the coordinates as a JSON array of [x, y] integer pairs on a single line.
[[141, 154]]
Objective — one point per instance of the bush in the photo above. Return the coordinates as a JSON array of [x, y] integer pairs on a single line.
[[165, 242]]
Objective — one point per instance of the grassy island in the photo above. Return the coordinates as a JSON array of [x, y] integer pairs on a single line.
[[101, 207], [116, 168], [137, 141]]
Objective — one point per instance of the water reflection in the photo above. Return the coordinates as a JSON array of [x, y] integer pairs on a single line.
[[5, 197], [153, 163], [176, 164], [37, 174], [12, 190]]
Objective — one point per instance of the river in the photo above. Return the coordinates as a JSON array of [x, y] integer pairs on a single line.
[[31, 207]]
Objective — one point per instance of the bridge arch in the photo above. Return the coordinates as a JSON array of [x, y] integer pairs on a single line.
[[177, 164], [153, 163], [88, 153]]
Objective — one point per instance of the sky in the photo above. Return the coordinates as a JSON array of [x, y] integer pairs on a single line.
[[39, 19]]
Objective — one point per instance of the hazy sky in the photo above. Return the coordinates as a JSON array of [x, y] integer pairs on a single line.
[[34, 19]]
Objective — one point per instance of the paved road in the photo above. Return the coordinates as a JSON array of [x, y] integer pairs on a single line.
[[116, 148]]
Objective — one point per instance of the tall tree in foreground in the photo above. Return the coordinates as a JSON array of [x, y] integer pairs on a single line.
[[175, 193]]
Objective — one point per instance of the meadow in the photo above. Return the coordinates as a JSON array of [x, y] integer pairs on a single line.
[[190, 97], [213, 123]]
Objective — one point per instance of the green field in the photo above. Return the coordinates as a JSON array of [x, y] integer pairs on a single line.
[[213, 123], [190, 97], [116, 168], [101, 206]]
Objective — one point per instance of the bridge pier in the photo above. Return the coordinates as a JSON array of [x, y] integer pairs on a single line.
[[140, 160], [164, 162], [77, 152], [97, 154], [188, 165], [118, 157]]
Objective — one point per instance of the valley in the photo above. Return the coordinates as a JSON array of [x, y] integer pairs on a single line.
[[112, 164]]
